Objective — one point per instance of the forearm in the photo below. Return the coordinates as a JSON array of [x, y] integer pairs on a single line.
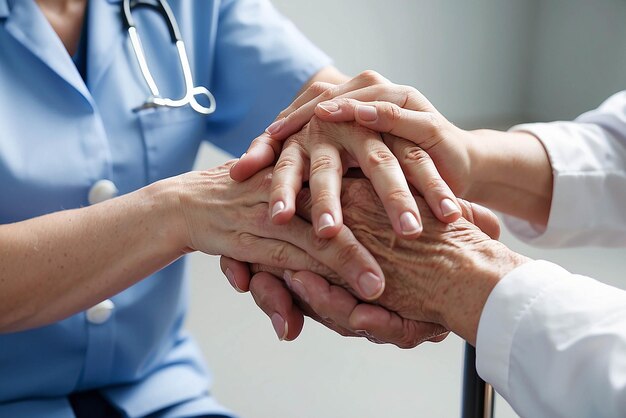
[[511, 173], [56, 265]]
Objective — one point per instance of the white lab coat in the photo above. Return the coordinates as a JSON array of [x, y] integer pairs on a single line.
[[552, 343]]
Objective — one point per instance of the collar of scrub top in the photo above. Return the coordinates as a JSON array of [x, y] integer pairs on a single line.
[[100, 58], [162, 7], [4, 9]]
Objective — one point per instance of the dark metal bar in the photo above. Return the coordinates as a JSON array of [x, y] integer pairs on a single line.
[[478, 396]]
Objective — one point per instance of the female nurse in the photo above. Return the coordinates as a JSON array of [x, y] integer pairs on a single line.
[[96, 212]]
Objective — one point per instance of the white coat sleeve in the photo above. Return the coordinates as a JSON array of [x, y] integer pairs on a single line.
[[588, 158], [553, 344]]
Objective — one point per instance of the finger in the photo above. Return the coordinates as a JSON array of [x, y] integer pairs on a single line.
[[421, 172], [277, 253], [343, 254], [405, 97], [296, 119], [314, 90], [371, 321], [237, 273], [325, 183], [419, 127], [382, 168], [287, 179], [265, 149], [297, 243], [271, 295], [388, 326], [483, 218]]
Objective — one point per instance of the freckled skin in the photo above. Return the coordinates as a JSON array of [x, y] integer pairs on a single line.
[[444, 276], [418, 272]]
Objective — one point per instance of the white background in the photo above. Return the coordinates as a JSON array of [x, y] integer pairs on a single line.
[[483, 64]]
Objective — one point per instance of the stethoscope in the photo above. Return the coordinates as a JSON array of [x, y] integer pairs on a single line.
[[155, 99]]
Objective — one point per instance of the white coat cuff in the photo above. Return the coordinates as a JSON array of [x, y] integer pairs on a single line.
[[504, 310], [587, 188]]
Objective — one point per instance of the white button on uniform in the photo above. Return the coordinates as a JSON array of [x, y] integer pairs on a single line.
[[100, 313], [102, 190]]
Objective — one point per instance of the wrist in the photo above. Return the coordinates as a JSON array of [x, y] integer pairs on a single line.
[[460, 303], [162, 199], [511, 173], [481, 158]]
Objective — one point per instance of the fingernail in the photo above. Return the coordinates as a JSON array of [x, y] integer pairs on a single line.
[[231, 279], [448, 207], [277, 208], [330, 107], [326, 221], [367, 113], [409, 224], [280, 326], [370, 285], [275, 127], [287, 275], [298, 287]]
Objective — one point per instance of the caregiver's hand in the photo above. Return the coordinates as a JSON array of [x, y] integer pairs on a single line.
[[320, 155], [336, 308], [404, 113], [221, 216], [506, 171], [264, 149]]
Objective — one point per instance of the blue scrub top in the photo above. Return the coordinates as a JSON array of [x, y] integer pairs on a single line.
[[60, 136]]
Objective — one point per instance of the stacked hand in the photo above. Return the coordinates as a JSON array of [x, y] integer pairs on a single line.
[[308, 143], [426, 279], [433, 155]]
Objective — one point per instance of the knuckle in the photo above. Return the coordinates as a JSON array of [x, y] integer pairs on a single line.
[[325, 163], [246, 241], [392, 112], [415, 156], [324, 196], [371, 77], [280, 191], [327, 94], [412, 96], [434, 185], [313, 127], [345, 102], [380, 157], [398, 195], [433, 124], [286, 163], [318, 88]]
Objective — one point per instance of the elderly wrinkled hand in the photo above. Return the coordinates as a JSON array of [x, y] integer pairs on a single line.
[[442, 278]]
